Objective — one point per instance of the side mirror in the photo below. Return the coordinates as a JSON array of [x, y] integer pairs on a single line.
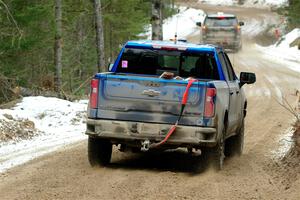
[[198, 23], [110, 66], [241, 23], [247, 78]]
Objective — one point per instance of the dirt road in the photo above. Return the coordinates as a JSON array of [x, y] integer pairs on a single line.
[[66, 174]]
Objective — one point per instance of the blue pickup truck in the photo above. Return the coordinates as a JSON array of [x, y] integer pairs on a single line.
[[161, 95]]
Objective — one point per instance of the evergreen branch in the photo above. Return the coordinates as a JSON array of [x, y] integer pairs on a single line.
[[12, 18]]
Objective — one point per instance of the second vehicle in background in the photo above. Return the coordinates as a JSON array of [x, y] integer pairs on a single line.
[[223, 30]]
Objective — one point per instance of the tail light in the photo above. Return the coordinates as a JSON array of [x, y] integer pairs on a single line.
[[204, 29], [94, 93], [237, 28], [209, 110]]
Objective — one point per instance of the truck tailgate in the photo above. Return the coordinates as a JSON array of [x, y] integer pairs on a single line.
[[221, 33], [148, 99]]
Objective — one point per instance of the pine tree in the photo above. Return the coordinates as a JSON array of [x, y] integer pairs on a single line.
[[29, 56], [294, 14]]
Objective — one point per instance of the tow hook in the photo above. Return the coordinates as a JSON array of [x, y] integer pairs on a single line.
[[145, 146]]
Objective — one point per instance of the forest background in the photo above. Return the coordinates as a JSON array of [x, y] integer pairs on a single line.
[[27, 38]]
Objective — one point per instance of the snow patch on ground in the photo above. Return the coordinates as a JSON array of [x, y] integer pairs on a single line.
[[285, 144], [184, 23], [282, 52], [248, 3], [16, 129], [60, 123], [272, 3], [278, 92], [254, 27], [219, 2]]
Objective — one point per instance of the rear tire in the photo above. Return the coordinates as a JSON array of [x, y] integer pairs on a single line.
[[216, 155], [235, 144], [99, 151]]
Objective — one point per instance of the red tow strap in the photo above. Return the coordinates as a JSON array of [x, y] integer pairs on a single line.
[[173, 127], [186, 92]]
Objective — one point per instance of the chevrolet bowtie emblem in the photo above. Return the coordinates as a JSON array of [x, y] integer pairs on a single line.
[[151, 92]]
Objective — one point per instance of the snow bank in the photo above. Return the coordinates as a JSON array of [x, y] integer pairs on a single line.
[[17, 130], [254, 27], [60, 123], [219, 2], [248, 3], [282, 52], [287, 39], [270, 3], [184, 22]]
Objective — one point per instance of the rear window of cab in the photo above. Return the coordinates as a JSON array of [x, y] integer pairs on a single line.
[[181, 63], [221, 21]]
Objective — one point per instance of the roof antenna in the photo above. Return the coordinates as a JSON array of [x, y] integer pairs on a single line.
[[175, 39]]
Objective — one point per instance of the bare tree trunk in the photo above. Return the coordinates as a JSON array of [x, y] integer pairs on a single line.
[[58, 45], [99, 36], [111, 42], [157, 20], [80, 45]]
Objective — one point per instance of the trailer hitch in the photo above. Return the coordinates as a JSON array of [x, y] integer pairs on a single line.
[[145, 146]]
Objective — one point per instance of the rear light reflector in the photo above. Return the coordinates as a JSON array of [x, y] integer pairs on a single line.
[[238, 28], [170, 48], [94, 93], [209, 110]]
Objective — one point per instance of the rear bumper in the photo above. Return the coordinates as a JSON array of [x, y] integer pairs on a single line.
[[134, 133], [227, 44]]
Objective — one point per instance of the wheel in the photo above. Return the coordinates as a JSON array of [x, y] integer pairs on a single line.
[[219, 155], [190, 150], [99, 151], [240, 47], [216, 155], [235, 144], [235, 50], [136, 150]]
